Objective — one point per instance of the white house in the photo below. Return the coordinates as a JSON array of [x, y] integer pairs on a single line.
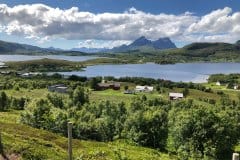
[[235, 87], [218, 83], [175, 96], [144, 89], [30, 74]]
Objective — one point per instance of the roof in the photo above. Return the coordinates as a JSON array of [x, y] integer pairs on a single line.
[[115, 84], [144, 88], [62, 87], [57, 86], [180, 95], [103, 84]]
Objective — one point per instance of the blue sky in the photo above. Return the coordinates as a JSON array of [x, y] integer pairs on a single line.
[[184, 21], [199, 7]]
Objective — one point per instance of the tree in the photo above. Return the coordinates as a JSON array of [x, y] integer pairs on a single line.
[[148, 128], [202, 133], [18, 104], [185, 92], [56, 100], [3, 101], [38, 114], [158, 88], [79, 96], [94, 83], [144, 97]]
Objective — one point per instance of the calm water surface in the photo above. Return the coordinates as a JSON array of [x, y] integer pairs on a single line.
[[7, 58], [185, 72]]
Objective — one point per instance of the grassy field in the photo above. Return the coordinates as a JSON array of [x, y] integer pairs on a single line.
[[119, 96]]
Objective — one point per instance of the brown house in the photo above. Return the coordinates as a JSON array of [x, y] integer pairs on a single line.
[[109, 85]]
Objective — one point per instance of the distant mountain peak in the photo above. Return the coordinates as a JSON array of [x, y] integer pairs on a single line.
[[144, 43], [141, 41], [142, 38]]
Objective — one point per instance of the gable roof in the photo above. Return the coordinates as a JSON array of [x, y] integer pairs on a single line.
[[179, 95]]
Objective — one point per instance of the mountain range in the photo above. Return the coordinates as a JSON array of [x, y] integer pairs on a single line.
[[25, 49], [9, 48], [143, 43], [140, 44]]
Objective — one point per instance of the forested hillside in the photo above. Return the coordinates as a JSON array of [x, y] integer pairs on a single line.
[[204, 125]]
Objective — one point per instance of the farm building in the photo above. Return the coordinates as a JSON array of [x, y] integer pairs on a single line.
[[144, 89], [175, 96], [218, 83], [30, 74], [60, 88], [109, 85]]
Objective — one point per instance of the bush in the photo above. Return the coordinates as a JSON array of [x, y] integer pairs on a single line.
[[202, 133]]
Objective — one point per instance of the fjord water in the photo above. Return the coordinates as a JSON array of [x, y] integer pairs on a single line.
[[185, 72], [7, 58]]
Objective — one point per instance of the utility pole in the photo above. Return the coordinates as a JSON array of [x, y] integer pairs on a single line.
[[70, 140]]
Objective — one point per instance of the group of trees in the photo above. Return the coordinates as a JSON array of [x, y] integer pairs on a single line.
[[203, 133], [190, 130], [222, 78], [7, 103]]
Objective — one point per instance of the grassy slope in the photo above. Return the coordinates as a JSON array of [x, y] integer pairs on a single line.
[[30, 143], [26, 141]]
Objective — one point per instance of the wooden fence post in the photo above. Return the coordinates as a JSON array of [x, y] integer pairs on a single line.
[[70, 140], [235, 156]]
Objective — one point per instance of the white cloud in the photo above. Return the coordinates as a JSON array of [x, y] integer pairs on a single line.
[[91, 43], [218, 26], [41, 22]]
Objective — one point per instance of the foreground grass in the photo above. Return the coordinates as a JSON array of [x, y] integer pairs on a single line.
[[29, 143]]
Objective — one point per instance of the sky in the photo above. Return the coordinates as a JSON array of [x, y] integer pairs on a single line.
[[70, 24]]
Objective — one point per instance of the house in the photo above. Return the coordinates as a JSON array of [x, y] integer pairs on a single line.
[[30, 74], [235, 87], [109, 85], [60, 88], [144, 89], [175, 96], [218, 83], [5, 72], [2, 65]]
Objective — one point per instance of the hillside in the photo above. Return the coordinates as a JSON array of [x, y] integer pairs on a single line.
[[8, 47], [207, 49], [144, 50], [198, 52], [21, 141], [24, 49]]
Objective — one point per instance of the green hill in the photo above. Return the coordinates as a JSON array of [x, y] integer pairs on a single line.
[[22, 141], [24, 49]]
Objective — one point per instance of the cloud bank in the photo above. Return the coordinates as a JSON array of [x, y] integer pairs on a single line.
[[91, 43], [42, 22]]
